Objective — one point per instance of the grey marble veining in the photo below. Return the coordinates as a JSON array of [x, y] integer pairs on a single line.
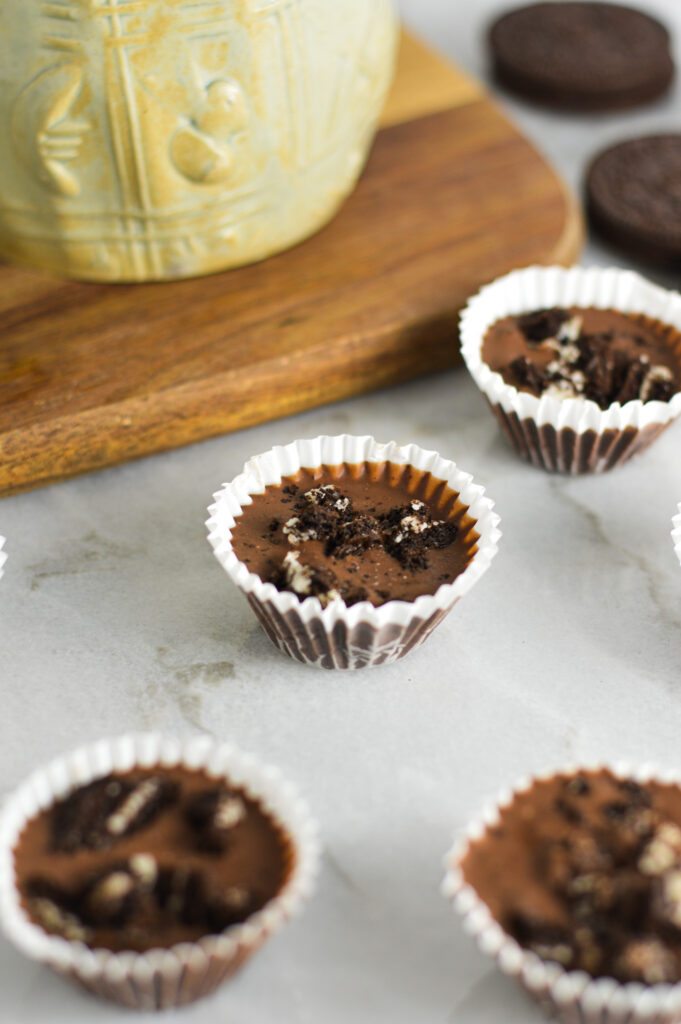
[[114, 615]]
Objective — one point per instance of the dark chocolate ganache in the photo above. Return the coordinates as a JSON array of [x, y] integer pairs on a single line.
[[368, 532], [598, 354], [585, 870], [146, 859]]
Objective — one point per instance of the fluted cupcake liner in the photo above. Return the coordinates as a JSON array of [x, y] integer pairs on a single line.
[[3, 556], [676, 532], [573, 997], [159, 978], [339, 636], [569, 435]]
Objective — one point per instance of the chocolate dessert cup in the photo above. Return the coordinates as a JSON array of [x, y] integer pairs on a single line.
[[178, 973], [570, 434], [332, 633], [587, 994]]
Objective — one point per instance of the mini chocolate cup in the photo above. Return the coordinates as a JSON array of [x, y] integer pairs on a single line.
[[159, 978], [573, 997], [676, 532], [569, 435], [338, 636]]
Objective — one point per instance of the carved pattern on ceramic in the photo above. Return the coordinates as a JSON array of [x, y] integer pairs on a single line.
[[44, 136], [202, 149], [169, 138]]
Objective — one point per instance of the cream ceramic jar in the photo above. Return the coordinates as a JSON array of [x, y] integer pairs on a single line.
[[155, 139]]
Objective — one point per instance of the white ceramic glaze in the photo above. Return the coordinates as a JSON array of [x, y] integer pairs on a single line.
[[151, 139]]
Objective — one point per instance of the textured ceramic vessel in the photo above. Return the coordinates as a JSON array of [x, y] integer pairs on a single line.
[[155, 139]]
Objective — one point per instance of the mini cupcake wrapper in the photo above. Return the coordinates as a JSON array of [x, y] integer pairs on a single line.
[[3, 557], [676, 532], [339, 636], [158, 978], [572, 435], [573, 997]]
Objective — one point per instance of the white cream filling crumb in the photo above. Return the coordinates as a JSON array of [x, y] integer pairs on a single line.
[[298, 576], [230, 811], [655, 373], [412, 524], [569, 331], [572, 384], [567, 354], [118, 822], [671, 895], [564, 341], [560, 389], [114, 888], [54, 919], [295, 535], [315, 495], [662, 852], [144, 867], [570, 354], [236, 897]]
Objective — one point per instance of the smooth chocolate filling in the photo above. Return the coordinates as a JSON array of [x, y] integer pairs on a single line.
[[598, 354], [367, 532], [585, 870], [146, 859]]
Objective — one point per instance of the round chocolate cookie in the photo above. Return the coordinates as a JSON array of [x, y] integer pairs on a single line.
[[582, 56], [634, 197]]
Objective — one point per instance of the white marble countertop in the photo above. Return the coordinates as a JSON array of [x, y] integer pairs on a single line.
[[115, 616]]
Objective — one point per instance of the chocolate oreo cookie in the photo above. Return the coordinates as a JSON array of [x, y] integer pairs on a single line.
[[582, 56], [633, 195]]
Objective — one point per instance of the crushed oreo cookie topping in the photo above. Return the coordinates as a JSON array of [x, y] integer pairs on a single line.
[[586, 365], [405, 532], [139, 860], [600, 355], [358, 532], [96, 815], [602, 871], [214, 814]]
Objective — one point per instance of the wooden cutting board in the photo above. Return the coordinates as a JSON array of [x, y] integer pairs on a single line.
[[92, 375]]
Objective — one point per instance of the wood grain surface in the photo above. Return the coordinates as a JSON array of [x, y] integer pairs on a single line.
[[92, 375]]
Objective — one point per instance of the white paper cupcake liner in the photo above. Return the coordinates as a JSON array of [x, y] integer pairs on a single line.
[[339, 636], [571, 435], [159, 978], [676, 532], [3, 556], [573, 997]]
